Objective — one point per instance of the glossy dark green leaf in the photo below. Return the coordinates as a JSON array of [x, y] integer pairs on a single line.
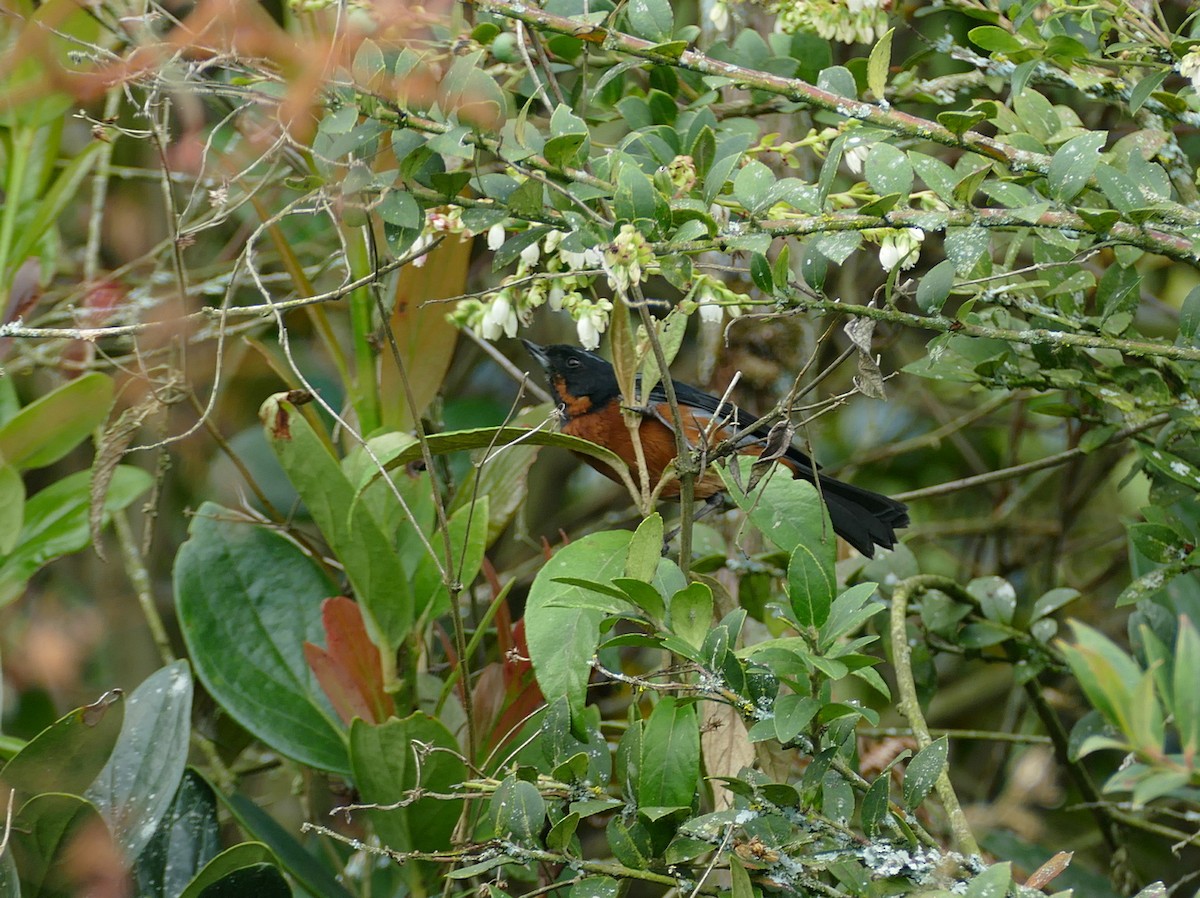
[[923, 771], [670, 756], [248, 599], [1074, 163], [54, 424], [934, 288], [138, 783], [380, 584], [308, 869], [760, 273], [811, 580], [792, 714], [68, 755], [1157, 542], [42, 833], [518, 810], [247, 855], [875, 805], [388, 762], [260, 880], [188, 837]]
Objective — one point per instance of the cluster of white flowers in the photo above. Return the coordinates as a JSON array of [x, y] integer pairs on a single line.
[[627, 258], [713, 299], [900, 248], [560, 283], [439, 222], [1189, 67], [848, 21]]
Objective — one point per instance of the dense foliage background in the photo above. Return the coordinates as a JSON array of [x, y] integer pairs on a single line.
[[286, 523]]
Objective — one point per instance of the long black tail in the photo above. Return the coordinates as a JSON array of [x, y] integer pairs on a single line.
[[863, 518]]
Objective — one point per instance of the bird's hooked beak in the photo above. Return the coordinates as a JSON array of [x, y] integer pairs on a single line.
[[538, 353]]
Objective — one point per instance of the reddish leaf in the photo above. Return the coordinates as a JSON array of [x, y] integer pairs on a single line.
[[506, 692], [351, 670], [1049, 870]]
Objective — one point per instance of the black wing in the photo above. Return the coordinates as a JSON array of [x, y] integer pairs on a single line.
[[729, 415]]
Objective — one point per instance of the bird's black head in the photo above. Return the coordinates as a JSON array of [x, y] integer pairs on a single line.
[[580, 380]]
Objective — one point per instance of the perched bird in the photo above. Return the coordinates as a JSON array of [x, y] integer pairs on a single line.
[[589, 400]]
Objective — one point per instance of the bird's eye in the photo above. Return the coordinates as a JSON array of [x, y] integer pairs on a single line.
[[573, 363]]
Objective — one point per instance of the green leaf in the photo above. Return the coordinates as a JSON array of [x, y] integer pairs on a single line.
[[56, 523], [248, 599], [389, 764], [188, 837], [1157, 542], [138, 783], [878, 63], [12, 507], [296, 860], [1107, 675], [811, 581], [372, 566], [964, 246], [787, 511], [562, 833], [923, 771], [991, 883], [518, 810], [651, 19], [562, 640], [568, 141], [645, 549], [68, 755], [752, 186], [739, 879], [261, 880], [400, 209], [1074, 163], [691, 613], [1144, 88], [888, 170], [468, 540], [1186, 705], [960, 121], [50, 427], [670, 756], [1037, 114], [42, 834], [247, 855], [935, 287], [792, 714], [994, 39], [760, 273], [849, 611], [637, 199], [1051, 601], [53, 203], [875, 805], [32, 90]]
